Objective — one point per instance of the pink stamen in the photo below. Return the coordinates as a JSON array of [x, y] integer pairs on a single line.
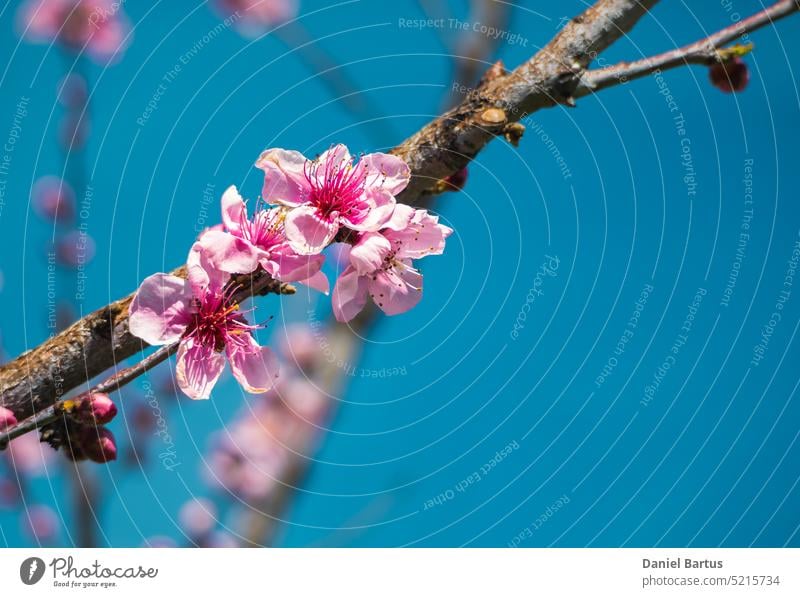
[[338, 189]]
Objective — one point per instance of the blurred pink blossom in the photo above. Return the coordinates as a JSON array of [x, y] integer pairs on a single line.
[[97, 26], [197, 517], [53, 199], [40, 523], [254, 17]]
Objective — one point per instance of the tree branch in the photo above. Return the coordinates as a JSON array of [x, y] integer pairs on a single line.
[[705, 51], [38, 378]]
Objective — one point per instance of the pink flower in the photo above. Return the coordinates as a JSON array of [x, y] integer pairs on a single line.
[[260, 240], [200, 314], [330, 192], [381, 264], [97, 26], [95, 409]]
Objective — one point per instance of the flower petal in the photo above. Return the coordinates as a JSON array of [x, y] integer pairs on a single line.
[[201, 273], [307, 232], [285, 180], [336, 155], [159, 312], [254, 367], [234, 211], [318, 281], [349, 295], [387, 172], [381, 207], [368, 253], [423, 236], [229, 253], [397, 290], [401, 217], [197, 370]]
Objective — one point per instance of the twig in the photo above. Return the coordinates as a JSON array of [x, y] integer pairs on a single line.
[[705, 51], [111, 384], [39, 377]]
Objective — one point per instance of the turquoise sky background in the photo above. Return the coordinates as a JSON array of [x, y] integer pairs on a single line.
[[708, 458]]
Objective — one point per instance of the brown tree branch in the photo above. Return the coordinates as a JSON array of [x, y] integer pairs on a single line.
[[39, 377], [705, 51]]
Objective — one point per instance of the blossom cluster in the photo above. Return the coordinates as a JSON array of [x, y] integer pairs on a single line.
[[306, 205]]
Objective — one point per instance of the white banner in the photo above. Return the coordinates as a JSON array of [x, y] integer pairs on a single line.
[[401, 573]]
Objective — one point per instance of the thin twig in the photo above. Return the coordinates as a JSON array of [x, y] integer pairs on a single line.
[[705, 51]]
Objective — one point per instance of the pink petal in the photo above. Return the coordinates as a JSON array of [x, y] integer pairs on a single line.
[[308, 233], [382, 206], [234, 211], [401, 217], [368, 253], [423, 236], [159, 312], [349, 295], [255, 367], [318, 281], [387, 172], [201, 273], [284, 177], [336, 155], [197, 370], [291, 267], [228, 253], [397, 290]]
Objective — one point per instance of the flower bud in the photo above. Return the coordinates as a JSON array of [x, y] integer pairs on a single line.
[[730, 76], [457, 180], [95, 409], [98, 444], [7, 418]]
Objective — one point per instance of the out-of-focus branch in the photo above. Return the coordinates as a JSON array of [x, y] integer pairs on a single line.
[[705, 51]]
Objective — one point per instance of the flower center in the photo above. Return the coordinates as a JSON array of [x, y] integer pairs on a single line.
[[217, 322], [265, 230], [337, 189]]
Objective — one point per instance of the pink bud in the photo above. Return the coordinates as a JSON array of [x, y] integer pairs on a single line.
[[96, 409], [98, 444], [457, 180], [7, 418], [730, 76]]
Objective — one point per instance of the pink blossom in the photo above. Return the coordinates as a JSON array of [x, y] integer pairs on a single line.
[[298, 345], [381, 264], [256, 16], [330, 192], [98, 26], [260, 240], [199, 312]]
